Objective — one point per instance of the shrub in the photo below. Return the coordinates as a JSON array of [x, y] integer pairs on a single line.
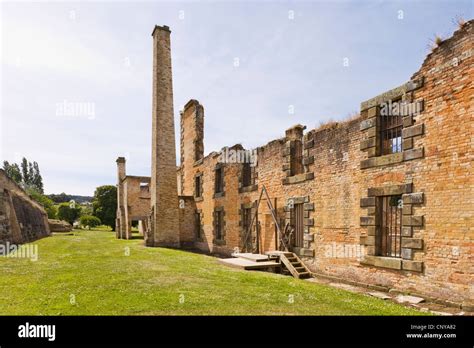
[[89, 221]]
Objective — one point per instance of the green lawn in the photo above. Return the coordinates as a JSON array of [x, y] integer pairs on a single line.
[[92, 268]]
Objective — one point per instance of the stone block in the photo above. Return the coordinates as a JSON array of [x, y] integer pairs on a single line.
[[308, 206], [413, 243], [372, 152], [385, 262], [390, 190], [309, 222], [368, 163], [415, 266], [408, 220], [407, 209], [371, 230], [367, 221], [412, 154], [372, 132], [407, 231], [368, 123], [367, 202], [407, 144], [413, 198], [408, 121], [368, 143], [308, 237], [308, 160], [367, 240], [412, 131], [373, 112], [407, 254]]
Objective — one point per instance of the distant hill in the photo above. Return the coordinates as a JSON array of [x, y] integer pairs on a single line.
[[63, 197]]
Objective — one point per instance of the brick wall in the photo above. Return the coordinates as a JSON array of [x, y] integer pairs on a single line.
[[163, 185], [344, 173]]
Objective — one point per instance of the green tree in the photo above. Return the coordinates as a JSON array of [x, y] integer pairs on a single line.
[[62, 197], [26, 174], [69, 212], [37, 180], [89, 221], [47, 203], [104, 204], [12, 171]]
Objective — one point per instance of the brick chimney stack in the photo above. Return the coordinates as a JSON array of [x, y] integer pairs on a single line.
[[164, 228]]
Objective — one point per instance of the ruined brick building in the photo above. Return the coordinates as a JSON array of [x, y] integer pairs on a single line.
[[382, 199]]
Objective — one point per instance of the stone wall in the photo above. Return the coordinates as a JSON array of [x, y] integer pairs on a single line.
[[22, 219], [344, 174]]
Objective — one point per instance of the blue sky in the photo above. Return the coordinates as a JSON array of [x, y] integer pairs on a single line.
[[291, 56]]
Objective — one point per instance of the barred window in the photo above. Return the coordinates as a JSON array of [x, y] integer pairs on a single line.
[[219, 225], [389, 234], [391, 134], [247, 177], [198, 224], [219, 180], [197, 186]]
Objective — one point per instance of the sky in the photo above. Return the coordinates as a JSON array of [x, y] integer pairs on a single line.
[[76, 76]]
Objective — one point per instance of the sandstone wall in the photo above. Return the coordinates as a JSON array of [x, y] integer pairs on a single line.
[[22, 220]]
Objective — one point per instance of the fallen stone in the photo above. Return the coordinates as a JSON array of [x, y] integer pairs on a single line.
[[380, 295], [409, 299], [59, 226]]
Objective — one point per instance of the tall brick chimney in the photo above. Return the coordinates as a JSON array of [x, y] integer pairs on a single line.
[[164, 229], [120, 220]]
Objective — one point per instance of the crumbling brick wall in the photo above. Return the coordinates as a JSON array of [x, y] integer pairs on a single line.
[[133, 201], [344, 174]]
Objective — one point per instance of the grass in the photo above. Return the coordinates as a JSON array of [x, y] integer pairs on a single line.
[[93, 269]]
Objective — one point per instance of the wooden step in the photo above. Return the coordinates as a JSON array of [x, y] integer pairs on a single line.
[[293, 265], [304, 275]]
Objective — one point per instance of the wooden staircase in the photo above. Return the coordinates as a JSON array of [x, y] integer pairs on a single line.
[[291, 264]]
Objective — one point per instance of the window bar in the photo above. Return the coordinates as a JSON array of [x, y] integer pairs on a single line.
[[386, 227], [394, 232]]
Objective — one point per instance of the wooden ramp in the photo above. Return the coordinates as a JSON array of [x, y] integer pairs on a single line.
[[284, 261], [291, 264], [245, 263]]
